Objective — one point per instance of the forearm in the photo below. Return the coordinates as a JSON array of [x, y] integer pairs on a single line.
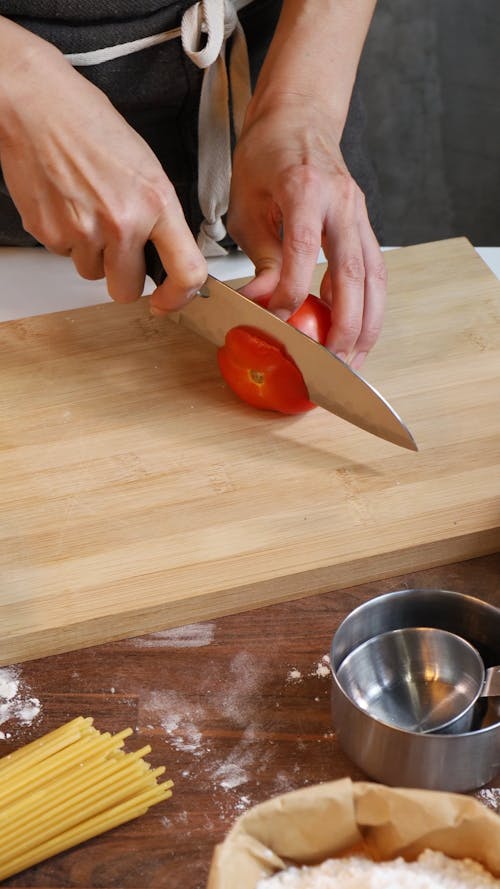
[[314, 57], [23, 61]]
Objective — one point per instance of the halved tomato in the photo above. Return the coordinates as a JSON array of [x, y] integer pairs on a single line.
[[258, 369]]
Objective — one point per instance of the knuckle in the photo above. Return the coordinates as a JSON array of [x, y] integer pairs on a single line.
[[349, 189], [352, 268], [302, 240], [294, 298], [194, 273], [159, 193], [265, 263], [360, 196], [304, 177], [368, 337], [53, 242], [124, 218], [379, 272], [44, 235], [82, 229], [348, 330], [119, 225], [34, 229]]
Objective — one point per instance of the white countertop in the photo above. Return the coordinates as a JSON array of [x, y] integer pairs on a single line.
[[34, 282]]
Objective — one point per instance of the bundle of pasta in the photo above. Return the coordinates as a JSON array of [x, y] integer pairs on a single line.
[[70, 785]]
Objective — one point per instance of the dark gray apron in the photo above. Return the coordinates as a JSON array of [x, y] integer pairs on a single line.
[[157, 90]]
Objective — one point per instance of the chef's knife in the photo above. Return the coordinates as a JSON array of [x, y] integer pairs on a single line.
[[331, 383]]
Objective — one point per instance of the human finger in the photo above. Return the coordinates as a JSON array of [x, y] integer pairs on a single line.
[[302, 227], [344, 253], [88, 260], [182, 259], [375, 294], [125, 269], [263, 247], [325, 288]]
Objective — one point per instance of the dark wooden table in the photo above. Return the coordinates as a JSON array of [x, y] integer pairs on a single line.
[[238, 709]]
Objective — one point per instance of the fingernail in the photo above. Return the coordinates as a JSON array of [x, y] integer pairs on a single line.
[[358, 360], [341, 355], [160, 311], [284, 314], [157, 311]]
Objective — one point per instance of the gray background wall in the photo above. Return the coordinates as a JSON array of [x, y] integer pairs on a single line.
[[431, 84]]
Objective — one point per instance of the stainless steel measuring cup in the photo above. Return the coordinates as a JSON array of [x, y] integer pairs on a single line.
[[434, 760], [421, 679]]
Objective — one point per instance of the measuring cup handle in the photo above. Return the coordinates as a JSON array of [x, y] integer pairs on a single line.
[[491, 687]]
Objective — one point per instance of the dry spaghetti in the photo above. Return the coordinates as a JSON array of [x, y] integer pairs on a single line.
[[68, 786]]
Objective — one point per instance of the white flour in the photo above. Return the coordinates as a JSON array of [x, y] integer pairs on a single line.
[[228, 698], [294, 675], [192, 636], [320, 671], [432, 870], [228, 701], [230, 775], [16, 702]]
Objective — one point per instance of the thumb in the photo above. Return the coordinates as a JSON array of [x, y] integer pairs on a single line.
[[265, 253], [264, 284]]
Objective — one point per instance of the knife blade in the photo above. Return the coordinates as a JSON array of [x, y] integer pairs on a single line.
[[331, 383]]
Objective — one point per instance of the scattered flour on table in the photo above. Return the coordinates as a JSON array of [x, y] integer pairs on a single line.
[[432, 870], [192, 636], [16, 701], [229, 697], [320, 671], [323, 667], [227, 701], [233, 770], [294, 675], [178, 720], [245, 674], [230, 775]]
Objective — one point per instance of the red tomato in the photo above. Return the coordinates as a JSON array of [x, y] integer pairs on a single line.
[[258, 368], [313, 318]]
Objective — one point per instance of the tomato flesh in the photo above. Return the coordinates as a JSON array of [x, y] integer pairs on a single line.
[[260, 373], [258, 369]]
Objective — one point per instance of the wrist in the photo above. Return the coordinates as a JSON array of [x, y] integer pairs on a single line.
[[313, 59], [295, 108]]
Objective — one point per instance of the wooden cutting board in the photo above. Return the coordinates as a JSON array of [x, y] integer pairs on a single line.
[[138, 493]]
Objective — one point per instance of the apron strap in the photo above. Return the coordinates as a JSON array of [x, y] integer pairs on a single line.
[[211, 23], [219, 20]]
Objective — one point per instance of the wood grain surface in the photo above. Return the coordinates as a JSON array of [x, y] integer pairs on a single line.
[[138, 494], [238, 709]]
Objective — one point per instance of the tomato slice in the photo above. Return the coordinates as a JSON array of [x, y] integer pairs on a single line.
[[258, 370]]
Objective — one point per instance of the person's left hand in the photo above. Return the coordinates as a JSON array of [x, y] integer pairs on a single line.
[[291, 194]]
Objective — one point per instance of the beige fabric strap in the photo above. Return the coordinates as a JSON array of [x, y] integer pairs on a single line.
[[205, 28]]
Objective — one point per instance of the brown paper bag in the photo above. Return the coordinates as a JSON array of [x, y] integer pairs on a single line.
[[326, 820]]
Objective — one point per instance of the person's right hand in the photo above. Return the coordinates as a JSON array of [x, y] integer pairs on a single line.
[[84, 182]]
